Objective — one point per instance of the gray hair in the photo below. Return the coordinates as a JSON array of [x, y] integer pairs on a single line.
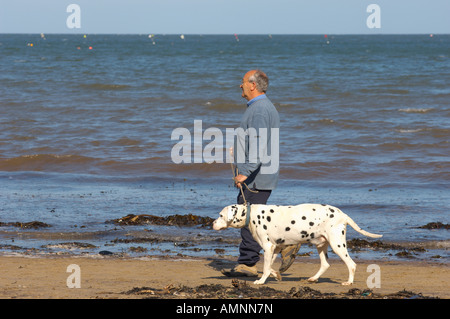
[[261, 80]]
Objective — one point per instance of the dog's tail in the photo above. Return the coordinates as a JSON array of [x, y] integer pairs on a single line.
[[355, 226]]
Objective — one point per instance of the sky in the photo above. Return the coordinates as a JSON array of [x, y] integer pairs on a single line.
[[226, 16]]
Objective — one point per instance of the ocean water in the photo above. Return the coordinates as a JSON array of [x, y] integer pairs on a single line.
[[86, 129]]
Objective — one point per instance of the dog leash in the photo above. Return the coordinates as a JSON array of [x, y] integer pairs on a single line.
[[246, 203], [235, 172], [247, 214]]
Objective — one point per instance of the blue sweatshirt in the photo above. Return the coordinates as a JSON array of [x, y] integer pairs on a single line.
[[256, 146]]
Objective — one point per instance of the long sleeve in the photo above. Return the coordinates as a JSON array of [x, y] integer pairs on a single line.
[[256, 149]]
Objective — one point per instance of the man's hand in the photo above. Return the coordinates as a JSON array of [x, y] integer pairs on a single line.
[[239, 180]]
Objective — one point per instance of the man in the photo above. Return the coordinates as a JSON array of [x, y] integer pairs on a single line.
[[257, 165]]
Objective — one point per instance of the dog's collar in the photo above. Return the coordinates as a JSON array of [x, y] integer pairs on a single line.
[[247, 215]]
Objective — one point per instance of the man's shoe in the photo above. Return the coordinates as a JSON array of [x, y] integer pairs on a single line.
[[241, 270], [288, 256]]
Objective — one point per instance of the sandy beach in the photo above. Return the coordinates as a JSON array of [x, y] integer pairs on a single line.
[[165, 278]]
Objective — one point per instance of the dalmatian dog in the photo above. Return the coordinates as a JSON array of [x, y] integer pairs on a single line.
[[275, 227]]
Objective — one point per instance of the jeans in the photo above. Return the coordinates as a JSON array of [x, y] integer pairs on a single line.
[[249, 249]]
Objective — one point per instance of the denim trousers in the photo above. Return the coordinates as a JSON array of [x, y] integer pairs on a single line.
[[249, 249]]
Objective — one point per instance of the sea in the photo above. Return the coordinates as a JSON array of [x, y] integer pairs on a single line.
[[87, 128]]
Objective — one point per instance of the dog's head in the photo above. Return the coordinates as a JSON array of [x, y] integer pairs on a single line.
[[231, 216]]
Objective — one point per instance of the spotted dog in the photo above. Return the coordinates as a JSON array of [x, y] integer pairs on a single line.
[[275, 227]]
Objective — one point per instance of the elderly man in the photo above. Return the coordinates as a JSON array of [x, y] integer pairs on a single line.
[[253, 168]]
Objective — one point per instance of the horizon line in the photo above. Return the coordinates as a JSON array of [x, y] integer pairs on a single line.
[[213, 34]]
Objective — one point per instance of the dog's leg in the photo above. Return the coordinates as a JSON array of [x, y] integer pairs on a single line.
[[269, 250], [324, 265], [274, 273], [339, 246]]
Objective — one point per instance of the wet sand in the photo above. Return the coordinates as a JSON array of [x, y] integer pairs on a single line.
[[165, 278]]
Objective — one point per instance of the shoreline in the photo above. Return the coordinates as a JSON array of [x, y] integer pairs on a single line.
[[108, 277], [187, 235]]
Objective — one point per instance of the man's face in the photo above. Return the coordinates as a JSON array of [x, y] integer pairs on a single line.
[[247, 87]]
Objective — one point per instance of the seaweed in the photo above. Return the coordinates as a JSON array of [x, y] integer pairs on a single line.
[[240, 289], [29, 225], [408, 252], [435, 225], [171, 220]]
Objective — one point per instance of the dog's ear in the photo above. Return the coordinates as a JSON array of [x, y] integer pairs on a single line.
[[232, 211], [230, 215]]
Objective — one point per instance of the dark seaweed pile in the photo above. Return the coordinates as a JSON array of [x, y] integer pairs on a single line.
[[28, 225], [172, 220], [435, 225], [242, 290]]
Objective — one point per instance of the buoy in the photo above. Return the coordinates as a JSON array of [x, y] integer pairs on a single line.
[[182, 37], [90, 48], [84, 36]]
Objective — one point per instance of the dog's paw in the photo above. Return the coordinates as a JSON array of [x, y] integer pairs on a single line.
[[347, 283], [275, 274], [259, 282], [312, 279]]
